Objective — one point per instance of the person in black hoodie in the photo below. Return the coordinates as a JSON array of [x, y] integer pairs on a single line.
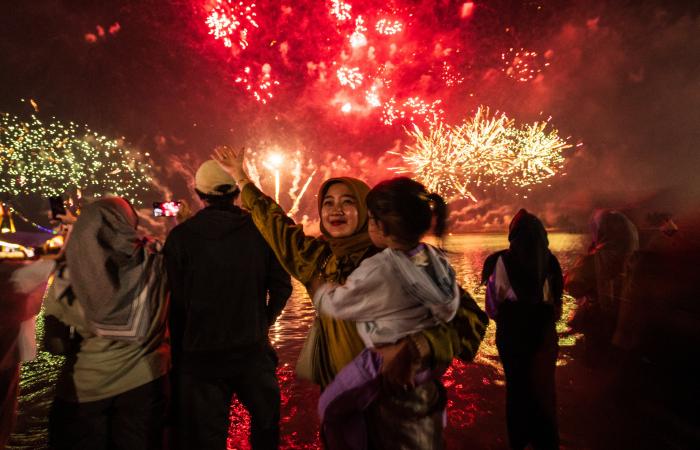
[[524, 296], [227, 289]]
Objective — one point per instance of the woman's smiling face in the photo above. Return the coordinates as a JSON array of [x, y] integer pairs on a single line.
[[339, 214]]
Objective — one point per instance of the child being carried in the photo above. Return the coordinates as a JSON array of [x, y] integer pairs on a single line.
[[408, 287]]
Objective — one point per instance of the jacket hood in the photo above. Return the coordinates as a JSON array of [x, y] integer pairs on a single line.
[[217, 222], [438, 292]]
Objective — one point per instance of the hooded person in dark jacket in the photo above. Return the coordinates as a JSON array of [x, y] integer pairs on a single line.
[[523, 295], [227, 289]]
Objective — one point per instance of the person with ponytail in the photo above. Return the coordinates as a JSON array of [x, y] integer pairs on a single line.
[[407, 287]]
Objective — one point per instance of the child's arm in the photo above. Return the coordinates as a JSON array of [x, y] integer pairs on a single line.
[[359, 299]]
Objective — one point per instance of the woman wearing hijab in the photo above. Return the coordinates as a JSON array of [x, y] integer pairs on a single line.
[[523, 296], [602, 281], [402, 419], [111, 393]]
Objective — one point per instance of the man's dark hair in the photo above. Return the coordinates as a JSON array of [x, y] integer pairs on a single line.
[[225, 198]]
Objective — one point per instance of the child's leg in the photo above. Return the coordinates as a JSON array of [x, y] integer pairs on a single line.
[[353, 388], [342, 403]]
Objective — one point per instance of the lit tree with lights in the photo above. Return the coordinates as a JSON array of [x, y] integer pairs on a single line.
[[58, 159]]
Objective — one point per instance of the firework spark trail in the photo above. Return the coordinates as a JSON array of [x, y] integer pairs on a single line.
[[388, 27], [482, 151], [358, 37], [350, 77], [372, 97], [274, 161], [340, 10], [227, 17], [437, 159], [277, 185], [450, 76], [537, 157], [412, 109], [523, 65], [260, 85], [483, 144], [297, 201], [296, 174], [252, 169]]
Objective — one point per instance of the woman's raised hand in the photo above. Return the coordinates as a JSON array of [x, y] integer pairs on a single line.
[[231, 161]]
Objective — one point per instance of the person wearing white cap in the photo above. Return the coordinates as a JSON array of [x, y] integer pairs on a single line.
[[221, 274], [211, 181]]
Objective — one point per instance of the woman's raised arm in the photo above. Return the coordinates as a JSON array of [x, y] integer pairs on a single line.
[[298, 253]]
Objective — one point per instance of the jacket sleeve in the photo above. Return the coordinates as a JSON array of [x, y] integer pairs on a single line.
[[460, 337], [279, 288], [22, 286], [489, 266], [359, 298], [492, 276], [492, 298], [298, 253], [174, 268]]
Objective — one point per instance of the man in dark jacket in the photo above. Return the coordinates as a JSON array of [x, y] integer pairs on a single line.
[[227, 289]]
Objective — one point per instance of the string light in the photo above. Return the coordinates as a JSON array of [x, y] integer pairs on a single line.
[[13, 211]]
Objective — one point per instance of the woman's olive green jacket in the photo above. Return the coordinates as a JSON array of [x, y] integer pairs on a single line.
[[303, 256]]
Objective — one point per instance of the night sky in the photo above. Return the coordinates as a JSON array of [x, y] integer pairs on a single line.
[[622, 79]]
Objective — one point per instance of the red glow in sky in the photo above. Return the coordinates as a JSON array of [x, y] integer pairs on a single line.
[[391, 51]]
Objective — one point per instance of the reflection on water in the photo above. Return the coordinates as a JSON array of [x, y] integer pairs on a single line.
[[37, 380], [474, 390]]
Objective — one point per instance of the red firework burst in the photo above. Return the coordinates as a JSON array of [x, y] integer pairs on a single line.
[[232, 21], [397, 61]]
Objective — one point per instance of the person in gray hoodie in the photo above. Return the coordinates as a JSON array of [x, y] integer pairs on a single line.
[[227, 289]]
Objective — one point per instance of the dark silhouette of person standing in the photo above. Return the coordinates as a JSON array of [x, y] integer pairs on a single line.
[[524, 292], [227, 289]]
